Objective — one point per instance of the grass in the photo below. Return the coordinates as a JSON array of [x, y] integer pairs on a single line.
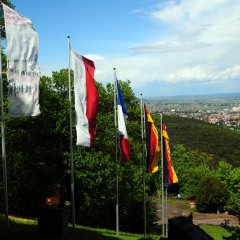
[[26, 229], [216, 232]]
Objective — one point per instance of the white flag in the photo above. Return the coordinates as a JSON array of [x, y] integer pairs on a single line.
[[22, 69]]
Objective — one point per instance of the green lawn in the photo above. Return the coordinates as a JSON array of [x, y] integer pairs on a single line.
[[216, 232], [26, 229]]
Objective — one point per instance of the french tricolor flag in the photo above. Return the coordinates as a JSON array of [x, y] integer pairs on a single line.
[[86, 99], [122, 115]]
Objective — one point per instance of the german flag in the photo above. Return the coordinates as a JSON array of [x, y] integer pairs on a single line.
[[169, 175], [153, 150]]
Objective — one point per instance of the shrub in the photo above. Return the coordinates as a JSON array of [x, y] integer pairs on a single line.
[[211, 196]]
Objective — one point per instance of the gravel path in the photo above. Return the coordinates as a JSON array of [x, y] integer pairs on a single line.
[[214, 219], [180, 209]]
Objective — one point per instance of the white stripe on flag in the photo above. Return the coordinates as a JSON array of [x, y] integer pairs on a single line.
[[121, 122]]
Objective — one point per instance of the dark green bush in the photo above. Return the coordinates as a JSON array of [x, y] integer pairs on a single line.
[[211, 196]]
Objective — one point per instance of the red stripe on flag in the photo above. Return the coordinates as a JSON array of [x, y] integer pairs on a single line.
[[153, 150], [92, 98], [153, 146], [169, 172], [125, 148]]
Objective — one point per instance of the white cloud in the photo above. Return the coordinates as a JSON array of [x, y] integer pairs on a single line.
[[186, 10], [201, 45], [203, 74], [198, 42]]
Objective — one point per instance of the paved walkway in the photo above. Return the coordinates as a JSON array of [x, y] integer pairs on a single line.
[[178, 210], [214, 219]]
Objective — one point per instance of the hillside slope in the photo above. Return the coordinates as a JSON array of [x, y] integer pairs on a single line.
[[194, 134]]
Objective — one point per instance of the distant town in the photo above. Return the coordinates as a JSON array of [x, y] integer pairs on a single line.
[[221, 109]]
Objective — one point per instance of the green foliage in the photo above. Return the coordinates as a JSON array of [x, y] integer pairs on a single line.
[[211, 195], [220, 142], [35, 148], [95, 181], [96, 169], [230, 177], [38, 160], [233, 231], [190, 167]]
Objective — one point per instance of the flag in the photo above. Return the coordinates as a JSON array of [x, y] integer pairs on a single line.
[[153, 150], [22, 69], [122, 115], [86, 99], [169, 175]]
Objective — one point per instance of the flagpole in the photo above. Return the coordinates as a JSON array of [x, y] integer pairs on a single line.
[[3, 138], [71, 143], [166, 212], [163, 212], [144, 167], [116, 150]]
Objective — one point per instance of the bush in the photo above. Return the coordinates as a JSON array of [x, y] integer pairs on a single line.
[[132, 216], [211, 196], [234, 231], [97, 214]]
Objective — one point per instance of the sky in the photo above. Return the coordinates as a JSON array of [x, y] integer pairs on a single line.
[[164, 47]]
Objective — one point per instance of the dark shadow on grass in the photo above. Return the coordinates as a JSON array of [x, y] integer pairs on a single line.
[[20, 231], [182, 228]]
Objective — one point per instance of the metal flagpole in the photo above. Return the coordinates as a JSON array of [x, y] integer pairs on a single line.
[[3, 138], [116, 149], [163, 212], [144, 167], [166, 212], [71, 144]]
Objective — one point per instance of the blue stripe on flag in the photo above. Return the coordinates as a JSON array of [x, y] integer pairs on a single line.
[[121, 100]]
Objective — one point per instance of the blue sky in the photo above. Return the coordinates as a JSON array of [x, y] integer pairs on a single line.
[[164, 47]]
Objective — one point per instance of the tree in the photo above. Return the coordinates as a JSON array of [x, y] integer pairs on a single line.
[[191, 167], [95, 168], [211, 195], [36, 148], [38, 158], [217, 141], [234, 231], [230, 177]]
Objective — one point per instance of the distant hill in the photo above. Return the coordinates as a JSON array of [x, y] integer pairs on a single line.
[[195, 103], [235, 95], [194, 134]]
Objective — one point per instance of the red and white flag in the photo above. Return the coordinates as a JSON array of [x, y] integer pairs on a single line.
[[86, 99]]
